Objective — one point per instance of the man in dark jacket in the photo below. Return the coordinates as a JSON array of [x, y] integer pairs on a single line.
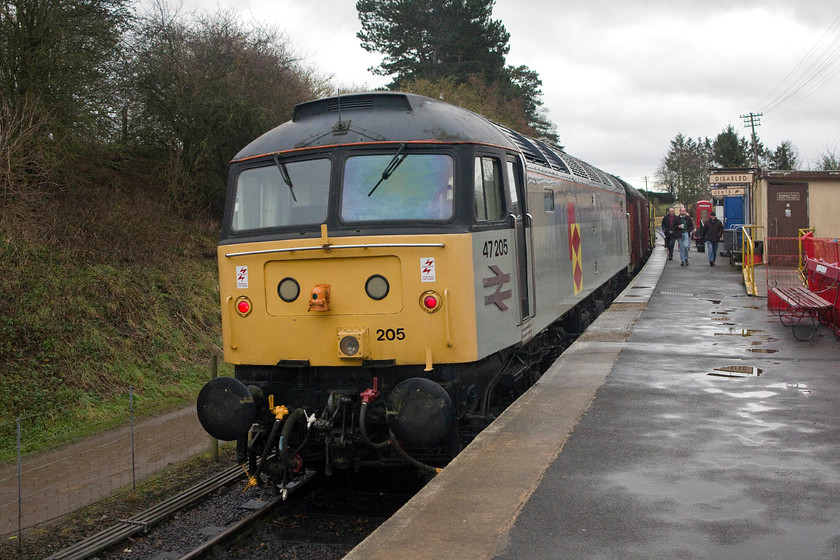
[[684, 228], [669, 223], [711, 233]]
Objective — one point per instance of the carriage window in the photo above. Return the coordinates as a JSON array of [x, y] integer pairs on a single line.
[[282, 194], [489, 197], [415, 187]]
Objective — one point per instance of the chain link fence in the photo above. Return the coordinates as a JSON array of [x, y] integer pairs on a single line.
[[43, 486]]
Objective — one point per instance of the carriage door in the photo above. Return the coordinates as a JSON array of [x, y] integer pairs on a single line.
[[787, 209], [520, 220]]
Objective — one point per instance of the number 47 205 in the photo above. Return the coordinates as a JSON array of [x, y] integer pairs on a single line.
[[495, 248]]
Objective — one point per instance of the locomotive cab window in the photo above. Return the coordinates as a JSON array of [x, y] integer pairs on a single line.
[[489, 197], [397, 186], [282, 194]]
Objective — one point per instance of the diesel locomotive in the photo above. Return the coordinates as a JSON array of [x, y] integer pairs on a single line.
[[394, 271]]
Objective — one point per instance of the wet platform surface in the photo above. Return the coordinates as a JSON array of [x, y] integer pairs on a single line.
[[686, 422]]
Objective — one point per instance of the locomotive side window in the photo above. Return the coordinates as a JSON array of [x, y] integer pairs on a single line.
[[282, 194], [548, 200], [489, 197], [397, 187]]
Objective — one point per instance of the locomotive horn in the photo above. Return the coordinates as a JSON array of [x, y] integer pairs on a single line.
[[226, 408], [420, 412]]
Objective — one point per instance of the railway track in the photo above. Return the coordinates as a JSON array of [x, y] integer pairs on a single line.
[[217, 519]]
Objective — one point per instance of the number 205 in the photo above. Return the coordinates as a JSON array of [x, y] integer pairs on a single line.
[[390, 334]]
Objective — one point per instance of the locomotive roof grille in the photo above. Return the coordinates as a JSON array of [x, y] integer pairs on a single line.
[[356, 102], [535, 151], [595, 175], [528, 149], [552, 157], [575, 166]]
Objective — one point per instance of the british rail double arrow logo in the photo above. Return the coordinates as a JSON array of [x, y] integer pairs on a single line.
[[499, 280]]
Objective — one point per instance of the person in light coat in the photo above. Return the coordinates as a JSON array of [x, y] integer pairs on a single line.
[[684, 228]]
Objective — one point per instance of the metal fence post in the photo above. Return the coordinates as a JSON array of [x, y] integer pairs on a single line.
[[214, 443], [20, 493], [131, 417]]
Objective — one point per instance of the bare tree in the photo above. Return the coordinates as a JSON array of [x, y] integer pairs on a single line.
[[201, 89], [828, 160], [683, 172]]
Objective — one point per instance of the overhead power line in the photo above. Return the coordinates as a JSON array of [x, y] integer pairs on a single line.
[[818, 66]]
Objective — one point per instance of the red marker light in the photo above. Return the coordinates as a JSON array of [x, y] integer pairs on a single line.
[[243, 306], [430, 301]]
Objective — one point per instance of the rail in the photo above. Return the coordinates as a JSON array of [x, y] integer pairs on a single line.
[[748, 260]]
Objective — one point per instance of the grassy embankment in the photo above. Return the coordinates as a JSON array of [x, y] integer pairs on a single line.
[[102, 287]]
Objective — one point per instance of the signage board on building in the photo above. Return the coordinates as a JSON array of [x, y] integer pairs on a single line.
[[730, 178], [731, 191]]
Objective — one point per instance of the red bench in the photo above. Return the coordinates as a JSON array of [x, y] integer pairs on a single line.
[[814, 302]]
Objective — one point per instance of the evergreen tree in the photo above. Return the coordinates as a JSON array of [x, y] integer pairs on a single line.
[[784, 157], [730, 150], [433, 46], [433, 39]]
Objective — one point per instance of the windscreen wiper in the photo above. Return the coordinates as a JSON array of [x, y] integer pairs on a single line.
[[391, 167], [285, 174]]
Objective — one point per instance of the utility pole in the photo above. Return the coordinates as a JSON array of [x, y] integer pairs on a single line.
[[754, 121]]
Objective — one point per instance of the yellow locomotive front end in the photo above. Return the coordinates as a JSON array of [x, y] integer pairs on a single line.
[[344, 302]]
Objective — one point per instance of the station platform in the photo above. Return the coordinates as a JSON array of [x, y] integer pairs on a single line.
[[686, 422]]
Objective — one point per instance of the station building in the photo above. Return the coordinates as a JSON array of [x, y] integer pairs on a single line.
[[778, 203]]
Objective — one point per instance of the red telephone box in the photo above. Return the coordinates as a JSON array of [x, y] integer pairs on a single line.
[[702, 210]]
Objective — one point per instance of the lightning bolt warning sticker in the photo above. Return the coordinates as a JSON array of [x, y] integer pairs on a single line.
[[241, 277], [427, 269]]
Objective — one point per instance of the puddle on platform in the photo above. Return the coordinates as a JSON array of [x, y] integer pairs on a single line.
[[739, 332], [736, 371]]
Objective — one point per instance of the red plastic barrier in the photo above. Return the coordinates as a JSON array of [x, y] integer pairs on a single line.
[[828, 252]]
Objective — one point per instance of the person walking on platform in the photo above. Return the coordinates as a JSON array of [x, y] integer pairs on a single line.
[[684, 228], [669, 223], [711, 232]]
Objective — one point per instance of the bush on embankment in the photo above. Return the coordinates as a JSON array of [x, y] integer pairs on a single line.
[[102, 286]]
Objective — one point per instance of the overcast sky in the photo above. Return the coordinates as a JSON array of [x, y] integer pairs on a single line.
[[622, 77]]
